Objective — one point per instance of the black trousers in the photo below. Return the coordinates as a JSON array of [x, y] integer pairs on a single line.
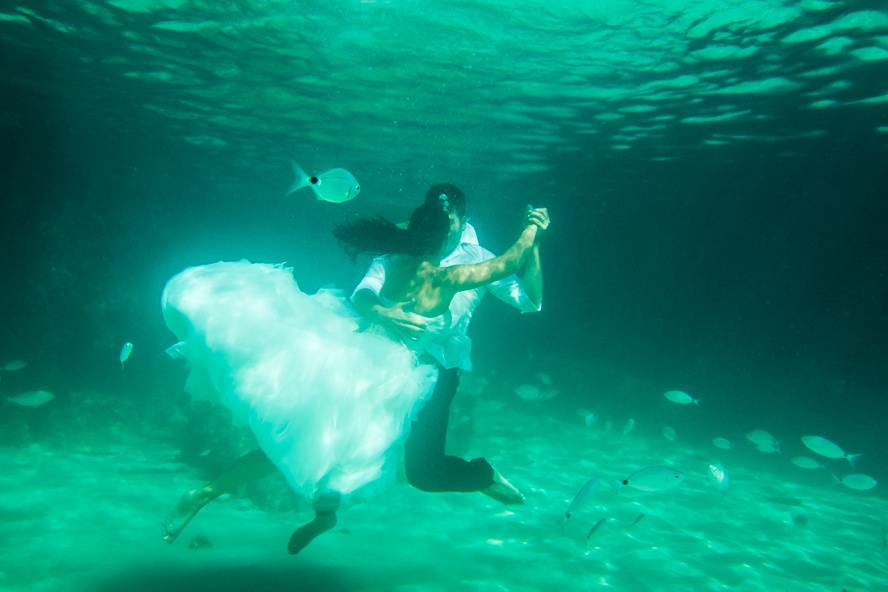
[[427, 466]]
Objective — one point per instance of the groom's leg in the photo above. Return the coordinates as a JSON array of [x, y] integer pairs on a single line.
[[427, 466], [249, 467]]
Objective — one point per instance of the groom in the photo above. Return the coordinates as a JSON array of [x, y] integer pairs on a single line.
[[427, 465]]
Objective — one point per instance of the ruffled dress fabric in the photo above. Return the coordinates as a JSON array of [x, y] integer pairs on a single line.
[[329, 404]]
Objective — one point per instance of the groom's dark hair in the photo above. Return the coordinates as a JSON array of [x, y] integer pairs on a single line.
[[456, 199]]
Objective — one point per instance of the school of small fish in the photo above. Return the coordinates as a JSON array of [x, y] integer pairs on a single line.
[[663, 478]]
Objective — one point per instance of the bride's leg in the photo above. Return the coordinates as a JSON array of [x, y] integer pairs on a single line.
[[325, 505], [252, 465]]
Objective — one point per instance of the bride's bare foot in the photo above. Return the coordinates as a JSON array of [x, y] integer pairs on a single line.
[[503, 491], [188, 507]]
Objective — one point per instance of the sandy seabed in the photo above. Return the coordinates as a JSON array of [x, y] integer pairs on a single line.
[[89, 519]]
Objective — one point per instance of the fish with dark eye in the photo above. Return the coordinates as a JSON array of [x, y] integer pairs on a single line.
[[654, 479], [334, 186]]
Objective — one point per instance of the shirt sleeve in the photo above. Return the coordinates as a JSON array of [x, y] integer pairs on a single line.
[[374, 278], [509, 289]]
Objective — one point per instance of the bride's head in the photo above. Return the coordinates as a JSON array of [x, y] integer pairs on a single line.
[[426, 234], [428, 230]]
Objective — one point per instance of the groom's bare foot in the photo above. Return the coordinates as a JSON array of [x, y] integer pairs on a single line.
[[503, 491], [188, 507], [306, 533]]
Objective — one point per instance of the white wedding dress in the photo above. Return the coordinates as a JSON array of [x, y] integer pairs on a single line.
[[328, 403]]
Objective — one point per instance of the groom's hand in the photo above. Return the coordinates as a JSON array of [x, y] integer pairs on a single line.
[[397, 317]]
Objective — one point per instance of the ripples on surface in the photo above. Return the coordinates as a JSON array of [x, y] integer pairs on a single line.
[[478, 81]]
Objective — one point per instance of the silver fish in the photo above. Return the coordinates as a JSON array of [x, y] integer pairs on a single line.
[[628, 426], [125, 352], [31, 398], [334, 186], [720, 477], [722, 443], [654, 479], [588, 491], [857, 481], [829, 449], [681, 398], [595, 528], [15, 365], [805, 462]]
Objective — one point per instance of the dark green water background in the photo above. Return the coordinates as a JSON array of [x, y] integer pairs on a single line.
[[751, 272]]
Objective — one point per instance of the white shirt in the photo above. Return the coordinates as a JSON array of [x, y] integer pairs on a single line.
[[456, 351]]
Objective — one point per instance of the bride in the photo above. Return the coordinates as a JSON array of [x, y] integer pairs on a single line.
[[327, 402]]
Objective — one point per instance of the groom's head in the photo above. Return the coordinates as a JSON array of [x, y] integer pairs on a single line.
[[453, 200], [451, 194]]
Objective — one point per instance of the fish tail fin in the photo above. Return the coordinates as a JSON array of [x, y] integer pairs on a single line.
[[852, 458], [300, 179], [697, 401]]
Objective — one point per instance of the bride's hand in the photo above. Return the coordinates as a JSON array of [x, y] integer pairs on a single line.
[[539, 217]]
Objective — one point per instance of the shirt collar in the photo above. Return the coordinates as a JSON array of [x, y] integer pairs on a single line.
[[469, 236]]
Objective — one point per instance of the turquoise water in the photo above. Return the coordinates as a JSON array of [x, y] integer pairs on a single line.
[[715, 172]]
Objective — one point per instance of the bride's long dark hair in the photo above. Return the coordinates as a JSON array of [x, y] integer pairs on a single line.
[[424, 236]]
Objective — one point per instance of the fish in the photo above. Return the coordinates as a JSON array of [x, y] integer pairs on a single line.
[[546, 379], [637, 520], [31, 398], [588, 491], [857, 481], [719, 476], [769, 448], [722, 443], [669, 433], [528, 392], [15, 365], [628, 426], [125, 352], [762, 439], [595, 528], [654, 479], [176, 351], [334, 186], [806, 462], [200, 542], [824, 447], [681, 398], [589, 417]]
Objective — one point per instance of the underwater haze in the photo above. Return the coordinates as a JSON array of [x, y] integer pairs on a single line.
[[715, 172]]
